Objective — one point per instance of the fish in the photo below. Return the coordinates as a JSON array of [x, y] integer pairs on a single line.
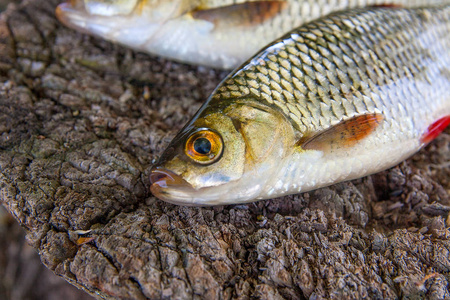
[[215, 33], [339, 98]]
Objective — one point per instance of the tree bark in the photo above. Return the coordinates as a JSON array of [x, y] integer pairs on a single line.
[[82, 119]]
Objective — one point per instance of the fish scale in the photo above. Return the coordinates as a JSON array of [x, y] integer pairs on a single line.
[[367, 65]]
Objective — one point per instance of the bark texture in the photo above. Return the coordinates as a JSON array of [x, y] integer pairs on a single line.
[[81, 121]]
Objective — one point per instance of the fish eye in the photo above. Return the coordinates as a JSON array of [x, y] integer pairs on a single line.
[[204, 146]]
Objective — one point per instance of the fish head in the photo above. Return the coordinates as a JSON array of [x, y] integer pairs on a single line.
[[224, 155], [130, 22]]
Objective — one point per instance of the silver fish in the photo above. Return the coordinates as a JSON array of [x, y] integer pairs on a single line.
[[339, 98], [216, 33]]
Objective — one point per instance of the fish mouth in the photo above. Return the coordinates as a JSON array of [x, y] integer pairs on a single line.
[[76, 12], [72, 13], [94, 8], [76, 15], [170, 187], [131, 26], [62, 10]]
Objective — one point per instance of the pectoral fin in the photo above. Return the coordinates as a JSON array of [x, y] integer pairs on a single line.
[[242, 14], [342, 135]]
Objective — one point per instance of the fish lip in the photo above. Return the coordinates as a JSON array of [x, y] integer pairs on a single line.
[[165, 184], [74, 15], [61, 11], [67, 13], [172, 188], [162, 176], [70, 6]]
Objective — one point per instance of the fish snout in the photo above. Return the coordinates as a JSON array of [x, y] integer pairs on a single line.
[[72, 14], [163, 180], [61, 12]]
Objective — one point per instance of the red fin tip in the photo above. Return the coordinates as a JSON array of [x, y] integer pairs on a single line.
[[434, 130]]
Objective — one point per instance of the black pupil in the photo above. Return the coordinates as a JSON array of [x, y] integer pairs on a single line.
[[202, 146]]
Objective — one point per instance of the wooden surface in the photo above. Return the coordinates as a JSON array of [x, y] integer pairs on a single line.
[[81, 121]]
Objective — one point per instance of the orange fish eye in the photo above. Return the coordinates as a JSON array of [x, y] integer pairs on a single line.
[[204, 146]]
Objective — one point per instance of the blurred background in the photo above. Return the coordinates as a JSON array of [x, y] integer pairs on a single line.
[[4, 3]]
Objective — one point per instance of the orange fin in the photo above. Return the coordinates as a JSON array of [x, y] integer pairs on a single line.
[[434, 130], [342, 135], [243, 14]]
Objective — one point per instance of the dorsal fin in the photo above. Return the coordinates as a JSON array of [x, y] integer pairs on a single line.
[[242, 14], [344, 134], [387, 5], [208, 4]]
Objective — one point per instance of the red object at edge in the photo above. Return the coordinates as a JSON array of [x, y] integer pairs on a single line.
[[435, 129]]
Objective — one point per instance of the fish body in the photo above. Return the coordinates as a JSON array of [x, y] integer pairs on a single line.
[[216, 33], [339, 98]]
